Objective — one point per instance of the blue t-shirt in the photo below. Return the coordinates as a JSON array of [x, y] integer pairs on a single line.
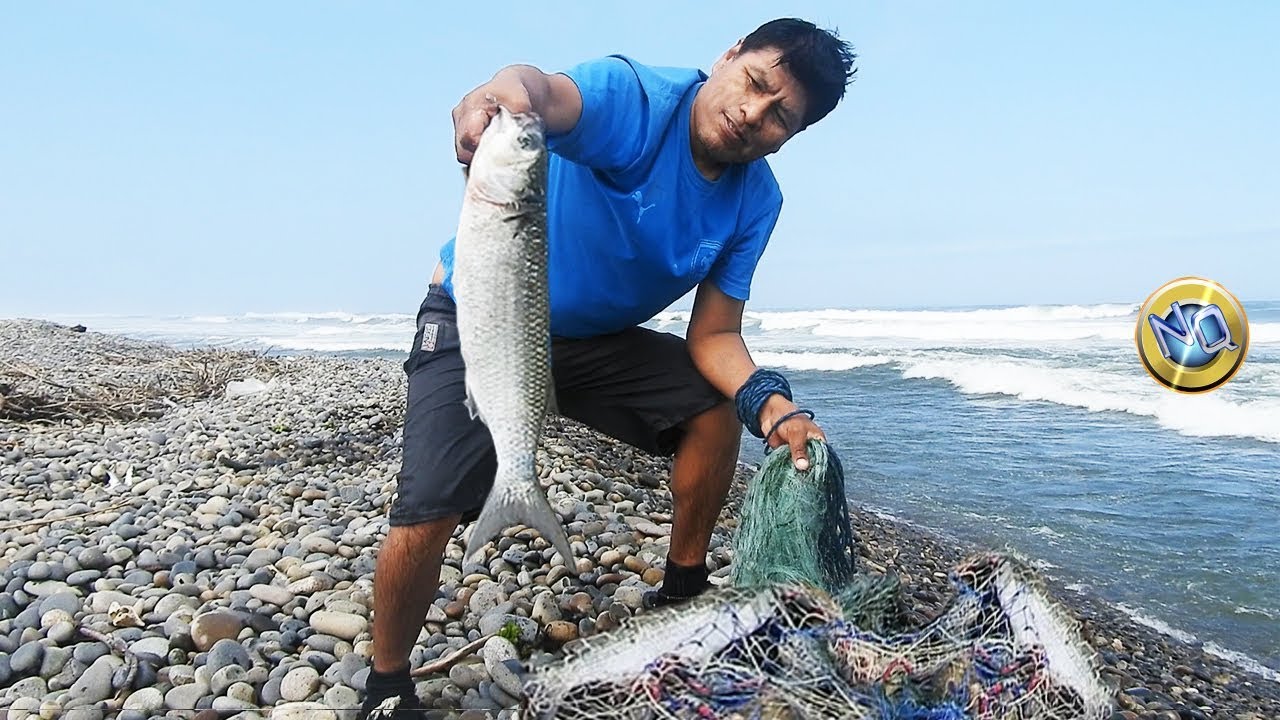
[[632, 225]]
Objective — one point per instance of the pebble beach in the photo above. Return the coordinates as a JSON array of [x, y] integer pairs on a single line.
[[212, 555]]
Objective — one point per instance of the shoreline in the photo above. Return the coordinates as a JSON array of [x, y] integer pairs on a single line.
[[242, 531]]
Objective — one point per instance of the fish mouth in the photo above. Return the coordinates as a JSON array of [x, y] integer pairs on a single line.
[[732, 129], [527, 127]]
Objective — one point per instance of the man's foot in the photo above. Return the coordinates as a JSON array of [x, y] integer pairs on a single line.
[[657, 598], [680, 585], [395, 707]]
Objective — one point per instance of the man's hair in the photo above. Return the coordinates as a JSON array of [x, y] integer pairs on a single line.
[[818, 59]]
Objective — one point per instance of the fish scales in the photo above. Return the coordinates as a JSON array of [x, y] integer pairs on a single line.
[[504, 323]]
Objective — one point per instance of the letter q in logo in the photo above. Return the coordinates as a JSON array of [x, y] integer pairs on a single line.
[[1192, 335]]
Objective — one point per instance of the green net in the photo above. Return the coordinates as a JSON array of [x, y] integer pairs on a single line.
[[795, 530], [795, 525]]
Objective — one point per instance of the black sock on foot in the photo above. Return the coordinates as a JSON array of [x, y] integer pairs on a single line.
[[384, 685], [681, 581]]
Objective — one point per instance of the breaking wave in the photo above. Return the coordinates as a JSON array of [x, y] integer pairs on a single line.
[[1072, 355], [1101, 391], [1235, 657], [818, 361]]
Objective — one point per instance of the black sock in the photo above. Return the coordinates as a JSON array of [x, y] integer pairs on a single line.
[[683, 582], [384, 685]]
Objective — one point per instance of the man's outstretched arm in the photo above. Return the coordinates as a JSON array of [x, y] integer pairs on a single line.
[[518, 88], [720, 354]]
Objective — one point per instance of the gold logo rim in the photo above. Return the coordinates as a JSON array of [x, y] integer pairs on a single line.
[[1224, 366]]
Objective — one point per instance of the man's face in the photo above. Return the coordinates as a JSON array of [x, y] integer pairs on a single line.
[[747, 109]]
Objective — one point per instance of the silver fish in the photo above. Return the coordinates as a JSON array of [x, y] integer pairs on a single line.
[[504, 319]]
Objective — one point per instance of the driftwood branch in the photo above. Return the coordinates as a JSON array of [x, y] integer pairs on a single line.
[[444, 663], [52, 520]]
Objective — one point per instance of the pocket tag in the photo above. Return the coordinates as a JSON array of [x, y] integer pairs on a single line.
[[429, 333]]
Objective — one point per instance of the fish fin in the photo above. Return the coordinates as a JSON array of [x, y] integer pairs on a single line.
[[473, 410], [553, 407], [522, 504]]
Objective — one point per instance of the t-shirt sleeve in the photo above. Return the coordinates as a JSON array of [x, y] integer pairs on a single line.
[[733, 270], [610, 134]]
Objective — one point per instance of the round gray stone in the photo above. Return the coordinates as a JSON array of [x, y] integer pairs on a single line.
[[260, 558], [341, 697], [92, 558], [83, 577], [271, 691], [227, 652], [185, 697], [148, 701], [225, 678], [95, 684], [342, 625], [87, 652], [152, 645], [468, 676], [26, 660], [299, 683], [62, 633]]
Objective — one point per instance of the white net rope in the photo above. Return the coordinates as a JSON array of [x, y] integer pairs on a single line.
[[1002, 650]]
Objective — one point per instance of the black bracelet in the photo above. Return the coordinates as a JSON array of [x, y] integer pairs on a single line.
[[783, 419]]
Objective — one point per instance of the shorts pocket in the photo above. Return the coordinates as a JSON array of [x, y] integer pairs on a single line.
[[437, 329]]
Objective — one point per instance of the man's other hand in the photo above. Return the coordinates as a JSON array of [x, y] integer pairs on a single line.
[[795, 431]]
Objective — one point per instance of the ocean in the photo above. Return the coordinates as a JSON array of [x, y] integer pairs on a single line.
[[1033, 428]]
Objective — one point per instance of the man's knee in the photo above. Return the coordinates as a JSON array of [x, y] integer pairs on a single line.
[[712, 436], [719, 421], [430, 536]]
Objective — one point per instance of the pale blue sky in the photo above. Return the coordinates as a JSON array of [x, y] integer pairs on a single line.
[[169, 158]]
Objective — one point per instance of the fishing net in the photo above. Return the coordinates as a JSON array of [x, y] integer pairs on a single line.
[[800, 635], [795, 529], [795, 526]]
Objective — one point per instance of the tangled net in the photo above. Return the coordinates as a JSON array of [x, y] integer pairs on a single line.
[[792, 640], [51, 374]]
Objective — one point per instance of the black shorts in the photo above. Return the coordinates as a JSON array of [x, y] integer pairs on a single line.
[[638, 386]]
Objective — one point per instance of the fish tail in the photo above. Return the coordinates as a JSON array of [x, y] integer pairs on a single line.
[[521, 504]]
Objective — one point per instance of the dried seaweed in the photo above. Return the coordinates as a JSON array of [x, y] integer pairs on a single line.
[[51, 374]]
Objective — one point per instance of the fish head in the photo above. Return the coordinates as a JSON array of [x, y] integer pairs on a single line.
[[510, 159]]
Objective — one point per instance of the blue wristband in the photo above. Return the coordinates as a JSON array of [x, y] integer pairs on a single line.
[[750, 398]]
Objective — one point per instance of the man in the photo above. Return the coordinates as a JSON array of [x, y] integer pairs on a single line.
[[656, 185]]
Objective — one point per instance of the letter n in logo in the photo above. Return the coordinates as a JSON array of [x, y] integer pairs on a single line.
[[1190, 333]]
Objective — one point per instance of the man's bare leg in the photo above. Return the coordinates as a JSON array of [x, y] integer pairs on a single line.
[[405, 581], [700, 479]]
